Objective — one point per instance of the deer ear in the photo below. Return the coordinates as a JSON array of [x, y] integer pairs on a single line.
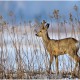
[[42, 25], [47, 25]]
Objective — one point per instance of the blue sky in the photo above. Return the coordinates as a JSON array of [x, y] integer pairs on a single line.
[[31, 9]]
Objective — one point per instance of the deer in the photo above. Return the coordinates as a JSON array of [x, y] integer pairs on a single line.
[[59, 47]]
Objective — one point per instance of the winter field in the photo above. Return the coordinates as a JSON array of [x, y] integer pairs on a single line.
[[22, 53], [24, 56]]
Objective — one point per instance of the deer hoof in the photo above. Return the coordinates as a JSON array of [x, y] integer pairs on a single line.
[[49, 72]]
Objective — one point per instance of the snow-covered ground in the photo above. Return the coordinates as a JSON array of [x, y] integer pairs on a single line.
[[31, 49]]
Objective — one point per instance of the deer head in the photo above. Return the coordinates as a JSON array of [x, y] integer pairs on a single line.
[[43, 29]]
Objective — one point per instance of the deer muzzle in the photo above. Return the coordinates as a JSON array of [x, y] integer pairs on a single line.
[[36, 34]]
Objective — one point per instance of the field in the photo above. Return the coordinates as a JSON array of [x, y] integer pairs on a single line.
[[22, 54]]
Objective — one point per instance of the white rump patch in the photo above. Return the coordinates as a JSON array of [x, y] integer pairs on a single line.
[[78, 53], [77, 44]]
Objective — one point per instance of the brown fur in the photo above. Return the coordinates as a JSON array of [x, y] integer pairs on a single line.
[[59, 47]]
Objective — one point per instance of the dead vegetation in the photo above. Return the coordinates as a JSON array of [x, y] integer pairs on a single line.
[[22, 55]]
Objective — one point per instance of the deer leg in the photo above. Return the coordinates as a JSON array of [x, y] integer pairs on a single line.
[[57, 64], [50, 62], [77, 59]]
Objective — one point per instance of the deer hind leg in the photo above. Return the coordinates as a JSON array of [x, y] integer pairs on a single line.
[[50, 62], [77, 59], [74, 55]]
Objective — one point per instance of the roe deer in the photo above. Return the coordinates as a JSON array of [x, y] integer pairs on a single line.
[[59, 47]]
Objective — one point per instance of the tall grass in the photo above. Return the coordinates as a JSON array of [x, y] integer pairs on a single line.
[[22, 53]]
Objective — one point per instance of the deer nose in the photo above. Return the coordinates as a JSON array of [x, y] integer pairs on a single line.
[[36, 34]]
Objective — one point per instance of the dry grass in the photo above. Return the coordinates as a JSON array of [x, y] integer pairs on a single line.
[[22, 54]]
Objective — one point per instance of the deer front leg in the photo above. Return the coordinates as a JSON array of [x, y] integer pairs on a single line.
[[57, 64], [50, 62]]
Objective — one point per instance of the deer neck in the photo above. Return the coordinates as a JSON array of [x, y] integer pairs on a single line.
[[46, 38]]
